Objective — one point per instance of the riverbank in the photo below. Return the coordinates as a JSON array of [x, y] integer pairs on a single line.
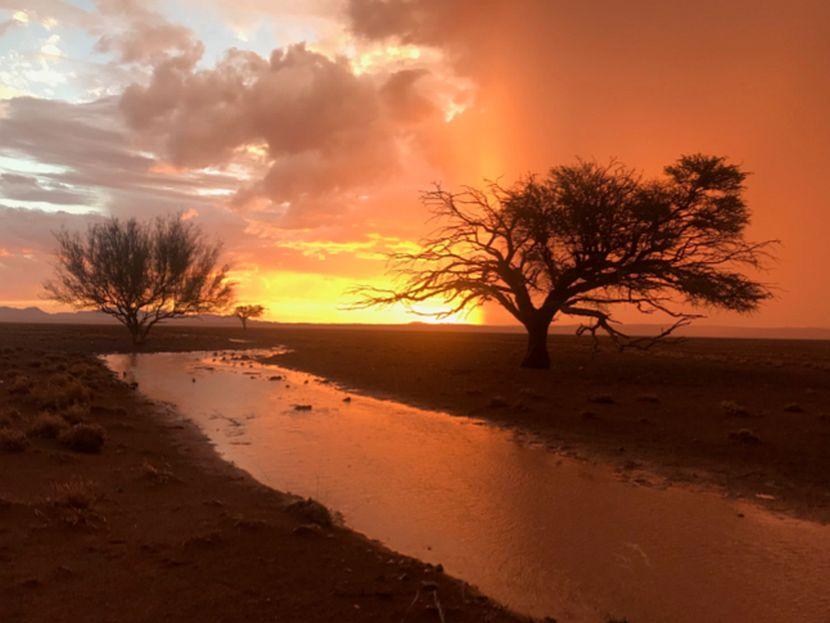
[[750, 417], [114, 510]]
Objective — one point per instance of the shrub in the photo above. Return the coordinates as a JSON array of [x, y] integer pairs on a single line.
[[12, 440], [76, 413], [87, 438], [47, 425], [75, 493], [61, 390], [20, 385], [9, 417], [75, 499]]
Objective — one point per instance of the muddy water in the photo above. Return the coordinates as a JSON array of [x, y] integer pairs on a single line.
[[546, 535]]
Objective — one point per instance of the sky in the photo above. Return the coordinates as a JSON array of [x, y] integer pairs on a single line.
[[301, 133]]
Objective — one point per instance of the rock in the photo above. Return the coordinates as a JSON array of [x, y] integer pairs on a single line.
[[745, 436], [310, 511], [497, 402], [602, 399], [589, 415], [87, 438], [347, 399], [652, 398], [429, 585], [276, 377], [734, 409], [308, 530], [302, 407], [794, 407], [526, 392]]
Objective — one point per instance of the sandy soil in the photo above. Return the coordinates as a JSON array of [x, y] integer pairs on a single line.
[[155, 527], [677, 411]]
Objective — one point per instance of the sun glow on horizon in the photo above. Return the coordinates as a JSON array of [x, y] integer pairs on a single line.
[[291, 297]]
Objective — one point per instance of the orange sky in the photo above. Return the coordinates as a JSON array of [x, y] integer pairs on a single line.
[[308, 162]]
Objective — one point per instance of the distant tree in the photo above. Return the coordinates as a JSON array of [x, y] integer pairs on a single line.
[[583, 239], [140, 273], [245, 312]]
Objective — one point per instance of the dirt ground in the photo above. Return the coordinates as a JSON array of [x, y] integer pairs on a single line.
[[153, 526], [156, 527]]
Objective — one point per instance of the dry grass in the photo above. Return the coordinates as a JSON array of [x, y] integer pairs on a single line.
[[60, 390], [20, 385], [75, 500], [47, 425], [76, 413], [13, 440]]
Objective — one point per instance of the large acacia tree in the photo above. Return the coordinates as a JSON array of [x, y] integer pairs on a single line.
[[583, 240], [140, 273]]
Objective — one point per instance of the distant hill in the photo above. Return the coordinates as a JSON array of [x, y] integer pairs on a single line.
[[35, 315]]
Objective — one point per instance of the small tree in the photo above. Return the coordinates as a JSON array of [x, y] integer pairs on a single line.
[[583, 239], [245, 312], [140, 273]]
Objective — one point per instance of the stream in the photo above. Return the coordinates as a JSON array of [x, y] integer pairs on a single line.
[[542, 533]]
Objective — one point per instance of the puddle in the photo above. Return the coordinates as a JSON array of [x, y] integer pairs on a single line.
[[543, 534]]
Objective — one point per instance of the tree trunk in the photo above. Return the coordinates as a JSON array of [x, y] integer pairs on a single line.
[[244, 323], [537, 356], [137, 335], [138, 332]]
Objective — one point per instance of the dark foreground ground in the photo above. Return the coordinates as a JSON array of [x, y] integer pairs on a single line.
[[153, 526], [163, 530]]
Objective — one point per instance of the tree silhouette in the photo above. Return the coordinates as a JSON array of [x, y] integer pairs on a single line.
[[245, 312], [140, 273], [583, 240]]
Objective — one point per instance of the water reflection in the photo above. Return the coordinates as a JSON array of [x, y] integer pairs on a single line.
[[543, 534]]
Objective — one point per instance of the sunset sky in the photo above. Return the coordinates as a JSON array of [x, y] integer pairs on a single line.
[[300, 133]]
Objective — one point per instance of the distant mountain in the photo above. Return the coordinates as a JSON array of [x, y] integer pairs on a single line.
[[35, 315]]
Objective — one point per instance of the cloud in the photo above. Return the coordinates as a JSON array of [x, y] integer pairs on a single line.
[[30, 188], [143, 36], [325, 130], [88, 153]]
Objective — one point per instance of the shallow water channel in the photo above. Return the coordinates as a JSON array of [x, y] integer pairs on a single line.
[[544, 534]]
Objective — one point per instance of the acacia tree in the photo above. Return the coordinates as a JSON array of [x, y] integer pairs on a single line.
[[245, 312], [140, 273], [583, 240]]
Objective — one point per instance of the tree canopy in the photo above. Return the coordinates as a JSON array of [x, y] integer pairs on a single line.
[[140, 273], [246, 312], [584, 239]]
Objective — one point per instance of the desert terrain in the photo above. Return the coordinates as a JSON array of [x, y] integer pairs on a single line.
[[135, 527]]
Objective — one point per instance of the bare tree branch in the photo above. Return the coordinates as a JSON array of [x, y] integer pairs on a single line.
[[140, 273], [583, 239]]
